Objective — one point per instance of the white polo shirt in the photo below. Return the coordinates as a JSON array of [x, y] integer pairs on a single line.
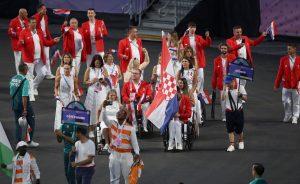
[[78, 41], [43, 26], [134, 49], [242, 52], [37, 45], [92, 31], [193, 42]]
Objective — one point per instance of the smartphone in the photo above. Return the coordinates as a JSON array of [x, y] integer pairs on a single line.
[[109, 102]]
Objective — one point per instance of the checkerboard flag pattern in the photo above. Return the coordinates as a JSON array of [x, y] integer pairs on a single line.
[[165, 104]]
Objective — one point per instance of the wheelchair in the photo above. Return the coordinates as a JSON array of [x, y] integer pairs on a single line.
[[99, 140], [139, 121], [188, 134]]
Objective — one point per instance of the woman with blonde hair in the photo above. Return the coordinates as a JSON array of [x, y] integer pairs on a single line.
[[134, 63], [113, 71], [111, 111]]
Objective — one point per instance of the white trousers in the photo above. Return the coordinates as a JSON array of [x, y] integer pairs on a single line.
[[40, 70], [175, 133], [47, 65], [119, 163], [290, 100], [17, 55], [90, 56], [200, 80], [197, 109], [144, 109], [223, 105], [77, 61]]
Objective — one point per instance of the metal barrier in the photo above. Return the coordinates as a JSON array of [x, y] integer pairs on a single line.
[[136, 8], [179, 13]]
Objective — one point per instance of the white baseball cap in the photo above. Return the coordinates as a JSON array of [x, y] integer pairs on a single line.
[[20, 144], [22, 121]]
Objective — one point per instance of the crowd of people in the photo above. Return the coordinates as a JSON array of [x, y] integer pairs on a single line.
[[116, 93]]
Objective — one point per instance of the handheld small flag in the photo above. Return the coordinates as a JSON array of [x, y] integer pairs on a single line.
[[61, 12], [272, 30], [56, 56]]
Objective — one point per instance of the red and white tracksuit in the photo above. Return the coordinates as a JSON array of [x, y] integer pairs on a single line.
[[219, 73], [93, 34], [42, 23], [130, 49], [73, 43], [16, 25], [185, 112], [139, 92], [31, 44], [289, 75]]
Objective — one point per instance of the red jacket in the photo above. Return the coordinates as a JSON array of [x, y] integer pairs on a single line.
[[125, 49], [289, 77], [233, 47], [200, 45], [185, 108], [14, 30], [69, 43], [100, 31], [145, 88], [218, 76], [38, 19], [28, 46]]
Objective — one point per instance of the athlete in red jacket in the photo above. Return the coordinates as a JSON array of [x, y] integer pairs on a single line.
[[288, 74], [31, 42], [137, 91], [130, 47], [198, 44], [73, 42], [16, 25], [220, 72], [93, 32], [42, 23]]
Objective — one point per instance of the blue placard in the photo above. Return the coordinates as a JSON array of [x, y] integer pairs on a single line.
[[240, 68], [75, 116]]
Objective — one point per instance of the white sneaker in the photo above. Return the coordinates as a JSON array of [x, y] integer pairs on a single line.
[[105, 147], [294, 120], [33, 144], [145, 129], [171, 146], [230, 148], [224, 119], [286, 119], [179, 147], [49, 77], [241, 145], [31, 98], [35, 92]]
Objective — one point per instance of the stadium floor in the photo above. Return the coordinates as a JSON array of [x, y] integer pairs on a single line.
[[267, 139]]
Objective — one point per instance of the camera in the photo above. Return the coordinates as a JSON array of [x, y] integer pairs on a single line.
[[109, 102]]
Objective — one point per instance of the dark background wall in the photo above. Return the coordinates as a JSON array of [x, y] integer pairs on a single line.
[[219, 16], [10, 8]]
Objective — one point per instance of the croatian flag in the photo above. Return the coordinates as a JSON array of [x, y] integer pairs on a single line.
[[62, 12], [272, 30], [165, 104]]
